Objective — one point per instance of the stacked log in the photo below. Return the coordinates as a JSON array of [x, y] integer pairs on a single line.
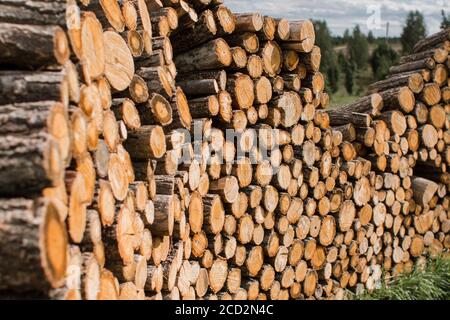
[[181, 151], [407, 143], [35, 148]]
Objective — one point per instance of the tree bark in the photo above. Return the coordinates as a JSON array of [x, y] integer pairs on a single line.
[[34, 245]]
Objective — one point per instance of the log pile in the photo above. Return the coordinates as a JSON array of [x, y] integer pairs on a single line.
[[171, 149], [407, 117]]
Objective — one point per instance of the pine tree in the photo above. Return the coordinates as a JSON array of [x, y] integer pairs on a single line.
[[413, 31], [445, 20], [371, 37], [346, 36], [359, 48], [382, 59], [347, 68]]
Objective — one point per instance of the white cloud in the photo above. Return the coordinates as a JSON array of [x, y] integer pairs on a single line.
[[345, 14]]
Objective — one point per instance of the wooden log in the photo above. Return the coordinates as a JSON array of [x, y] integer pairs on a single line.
[[164, 215], [73, 23], [212, 55], [248, 22], [108, 12], [269, 29], [92, 47], [79, 125], [144, 24], [291, 60], [201, 32], [263, 90], [438, 54], [339, 118], [125, 109], [29, 163], [146, 142], [426, 63], [218, 275], [277, 84], [304, 46], [43, 116], [130, 14], [424, 190], [158, 44], [414, 81], [348, 132], [187, 14], [158, 80], [169, 13], [312, 60], [290, 105], [51, 45], [272, 57], [34, 13], [219, 75], [181, 111], [402, 97], [156, 110], [431, 94], [396, 121], [301, 30], [432, 41], [214, 214], [315, 82], [160, 25], [32, 232], [227, 19], [241, 88], [283, 29], [119, 64], [138, 90], [204, 107], [227, 188], [204, 87], [248, 41], [255, 66], [440, 75], [28, 86], [292, 82]]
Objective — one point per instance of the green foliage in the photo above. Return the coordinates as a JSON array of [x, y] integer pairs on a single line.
[[358, 48], [428, 282], [347, 68], [413, 31], [445, 20], [346, 36], [329, 59], [370, 37], [382, 59], [333, 78]]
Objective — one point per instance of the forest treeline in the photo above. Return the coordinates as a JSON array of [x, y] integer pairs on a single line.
[[345, 58]]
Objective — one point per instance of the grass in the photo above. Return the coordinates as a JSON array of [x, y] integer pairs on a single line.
[[362, 79], [341, 98], [427, 282]]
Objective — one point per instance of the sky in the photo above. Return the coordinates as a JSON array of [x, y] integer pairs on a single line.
[[345, 14]]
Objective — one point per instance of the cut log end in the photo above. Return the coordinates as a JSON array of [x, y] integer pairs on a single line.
[[272, 58], [53, 243], [157, 142], [223, 52], [184, 112]]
